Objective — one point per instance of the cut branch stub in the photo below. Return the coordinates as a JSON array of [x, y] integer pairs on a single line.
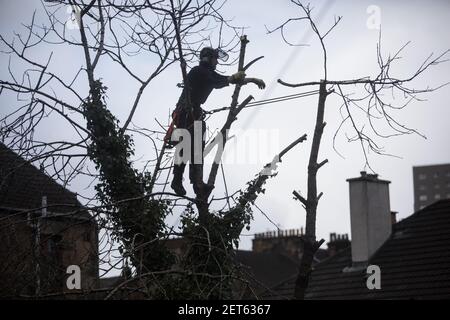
[[309, 250], [244, 42], [300, 198], [319, 196], [322, 163]]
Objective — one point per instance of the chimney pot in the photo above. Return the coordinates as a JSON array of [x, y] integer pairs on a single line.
[[394, 217], [332, 237]]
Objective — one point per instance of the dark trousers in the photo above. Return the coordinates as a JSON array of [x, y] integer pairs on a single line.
[[195, 169]]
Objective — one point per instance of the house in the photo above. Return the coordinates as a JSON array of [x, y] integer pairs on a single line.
[[413, 255], [44, 229], [274, 258]]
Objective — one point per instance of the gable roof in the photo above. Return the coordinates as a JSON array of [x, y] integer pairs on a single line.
[[22, 186], [414, 264]]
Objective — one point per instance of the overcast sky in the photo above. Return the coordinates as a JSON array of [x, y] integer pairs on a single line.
[[351, 54]]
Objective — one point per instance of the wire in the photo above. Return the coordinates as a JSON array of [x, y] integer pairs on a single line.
[[267, 217], [167, 179], [259, 103], [226, 188], [269, 101]]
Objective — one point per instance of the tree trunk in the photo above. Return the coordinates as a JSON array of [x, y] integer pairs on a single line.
[[310, 245]]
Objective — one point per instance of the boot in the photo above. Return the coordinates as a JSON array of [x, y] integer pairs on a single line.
[[177, 185]]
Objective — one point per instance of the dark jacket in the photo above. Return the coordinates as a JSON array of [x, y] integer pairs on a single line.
[[202, 79]]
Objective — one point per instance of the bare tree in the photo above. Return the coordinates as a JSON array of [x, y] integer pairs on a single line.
[[373, 104], [127, 208], [108, 31]]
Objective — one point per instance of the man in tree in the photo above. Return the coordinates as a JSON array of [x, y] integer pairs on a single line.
[[201, 79]]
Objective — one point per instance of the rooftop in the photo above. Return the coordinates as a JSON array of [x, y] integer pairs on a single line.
[[22, 187], [414, 263]]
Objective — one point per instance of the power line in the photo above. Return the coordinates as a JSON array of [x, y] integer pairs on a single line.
[[293, 56]]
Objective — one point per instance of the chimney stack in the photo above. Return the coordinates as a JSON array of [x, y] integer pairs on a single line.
[[370, 216], [337, 243], [280, 241]]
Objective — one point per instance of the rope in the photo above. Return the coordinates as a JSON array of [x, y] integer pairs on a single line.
[[269, 101], [226, 188], [167, 179], [267, 217]]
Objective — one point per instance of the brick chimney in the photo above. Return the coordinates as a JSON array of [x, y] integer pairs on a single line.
[[337, 243], [370, 216], [282, 241]]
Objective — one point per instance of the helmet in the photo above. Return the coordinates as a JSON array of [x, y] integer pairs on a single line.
[[209, 52]]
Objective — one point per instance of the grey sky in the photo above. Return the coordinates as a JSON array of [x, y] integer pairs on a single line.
[[351, 54]]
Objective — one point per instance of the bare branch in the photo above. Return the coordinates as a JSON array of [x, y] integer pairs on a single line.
[[300, 198]]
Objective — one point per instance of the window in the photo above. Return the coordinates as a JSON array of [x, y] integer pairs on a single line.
[[422, 187], [437, 186], [437, 196], [422, 176], [423, 197], [435, 175], [448, 196]]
